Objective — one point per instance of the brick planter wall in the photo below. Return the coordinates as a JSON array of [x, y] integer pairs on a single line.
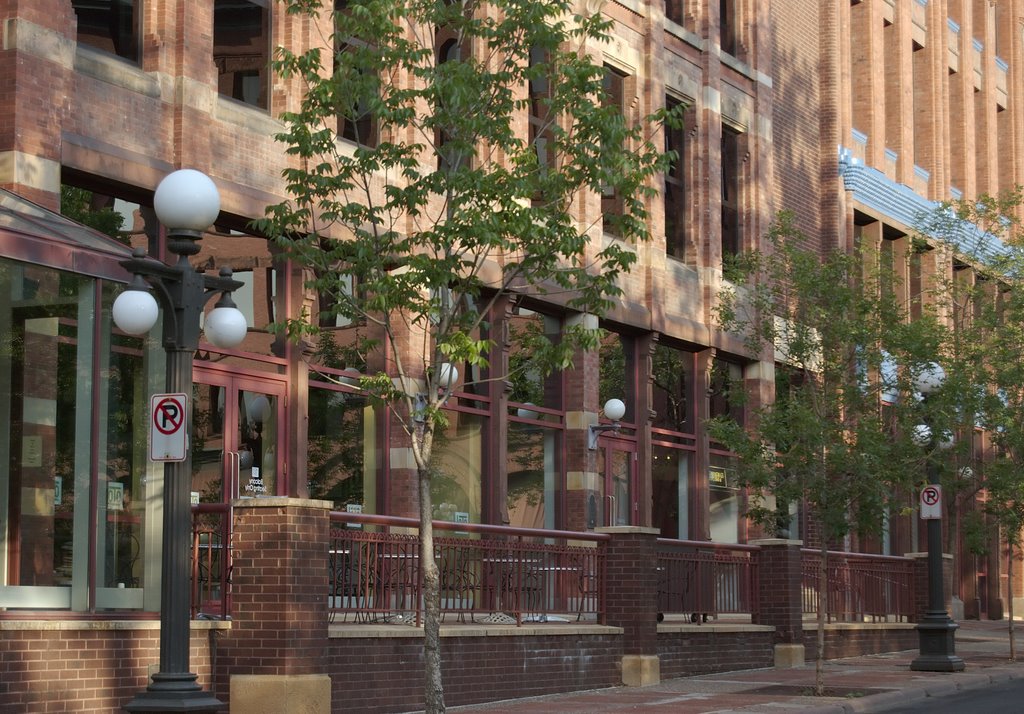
[[375, 675], [686, 651], [96, 667], [854, 640]]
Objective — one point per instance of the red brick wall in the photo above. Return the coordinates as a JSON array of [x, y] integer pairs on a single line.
[[631, 578], [386, 674], [279, 589], [76, 667], [690, 653], [853, 642], [796, 108], [778, 592]]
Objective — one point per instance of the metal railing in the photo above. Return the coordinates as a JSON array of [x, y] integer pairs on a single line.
[[211, 560], [704, 579], [493, 573], [861, 587]]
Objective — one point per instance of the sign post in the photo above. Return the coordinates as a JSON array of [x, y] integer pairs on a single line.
[[168, 439]]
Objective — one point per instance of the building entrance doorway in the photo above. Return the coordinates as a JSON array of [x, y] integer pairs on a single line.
[[237, 437]]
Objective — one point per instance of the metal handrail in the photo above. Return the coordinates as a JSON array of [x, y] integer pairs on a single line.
[[705, 579], [497, 573]]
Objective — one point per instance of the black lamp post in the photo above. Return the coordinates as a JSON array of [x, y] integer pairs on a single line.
[[187, 203], [936, 631]]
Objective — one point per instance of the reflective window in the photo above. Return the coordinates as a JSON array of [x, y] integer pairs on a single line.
[[241, 49], [455, 488], [673, 389], [731, 169], [724, 500], [343, 458], [529, 387], [72, 424], [614, 96], [534, 467], [541, 121], [109, 25], [356, 121], [675, 189], [670, 486], [618, 372]]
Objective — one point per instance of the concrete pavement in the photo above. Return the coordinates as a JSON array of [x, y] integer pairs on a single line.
[[875, 683]]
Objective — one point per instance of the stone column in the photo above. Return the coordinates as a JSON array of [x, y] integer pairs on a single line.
[[279, 587], [778, 598], [631, 587]]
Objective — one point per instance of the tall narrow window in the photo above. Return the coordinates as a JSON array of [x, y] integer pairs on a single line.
[[109, 25], [675, 189], [614, 96], [241, 49], [730, 191], [728, 27], [356, 121], [451, 152], [540, 119], [674, 11]]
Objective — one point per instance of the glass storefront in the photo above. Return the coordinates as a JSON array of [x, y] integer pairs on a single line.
[[533, 475], [73, 413], [343, 460], [456, 485]]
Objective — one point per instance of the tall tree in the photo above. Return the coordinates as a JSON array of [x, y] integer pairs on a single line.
[[443, 152], [988, 302], [843, 345]]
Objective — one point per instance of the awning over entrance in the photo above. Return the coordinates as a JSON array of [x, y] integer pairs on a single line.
[[33, 234]]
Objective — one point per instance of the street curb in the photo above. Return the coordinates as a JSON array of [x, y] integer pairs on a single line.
[[884, 700]]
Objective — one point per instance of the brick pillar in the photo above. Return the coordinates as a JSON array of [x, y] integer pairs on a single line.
[[921, 583], [279, 585], [37, 60], [778, 597], [631, 587]]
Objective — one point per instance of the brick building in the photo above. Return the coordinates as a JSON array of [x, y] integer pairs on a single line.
[[856, 115]]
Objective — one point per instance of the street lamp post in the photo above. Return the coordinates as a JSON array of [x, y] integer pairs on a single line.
[[936, 631], [187, 203]]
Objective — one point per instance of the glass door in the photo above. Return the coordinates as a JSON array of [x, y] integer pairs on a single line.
[[236, 453], [236, 427], [617, 464]]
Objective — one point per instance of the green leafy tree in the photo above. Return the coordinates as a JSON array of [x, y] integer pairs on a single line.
[[78, 204], [836, 332], [989, 337], [450, 203]]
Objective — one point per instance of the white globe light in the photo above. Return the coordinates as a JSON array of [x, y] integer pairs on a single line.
[[922, 435], [187, 199], [135, 312], [930, 378], [524, 412], [259, 409], [225, 327], [447, 375], [614, 409]]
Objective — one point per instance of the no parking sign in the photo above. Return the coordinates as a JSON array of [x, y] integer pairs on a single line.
[[168, 439], [931, 501]]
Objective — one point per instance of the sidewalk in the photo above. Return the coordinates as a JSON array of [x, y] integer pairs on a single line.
[[860, 684]]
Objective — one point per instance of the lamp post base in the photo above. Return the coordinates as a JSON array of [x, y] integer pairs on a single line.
[[936, 633], [174, 693]]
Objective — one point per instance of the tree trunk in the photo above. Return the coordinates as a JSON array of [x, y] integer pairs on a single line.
[[433, 690], [1009, 600], [819, 661]]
